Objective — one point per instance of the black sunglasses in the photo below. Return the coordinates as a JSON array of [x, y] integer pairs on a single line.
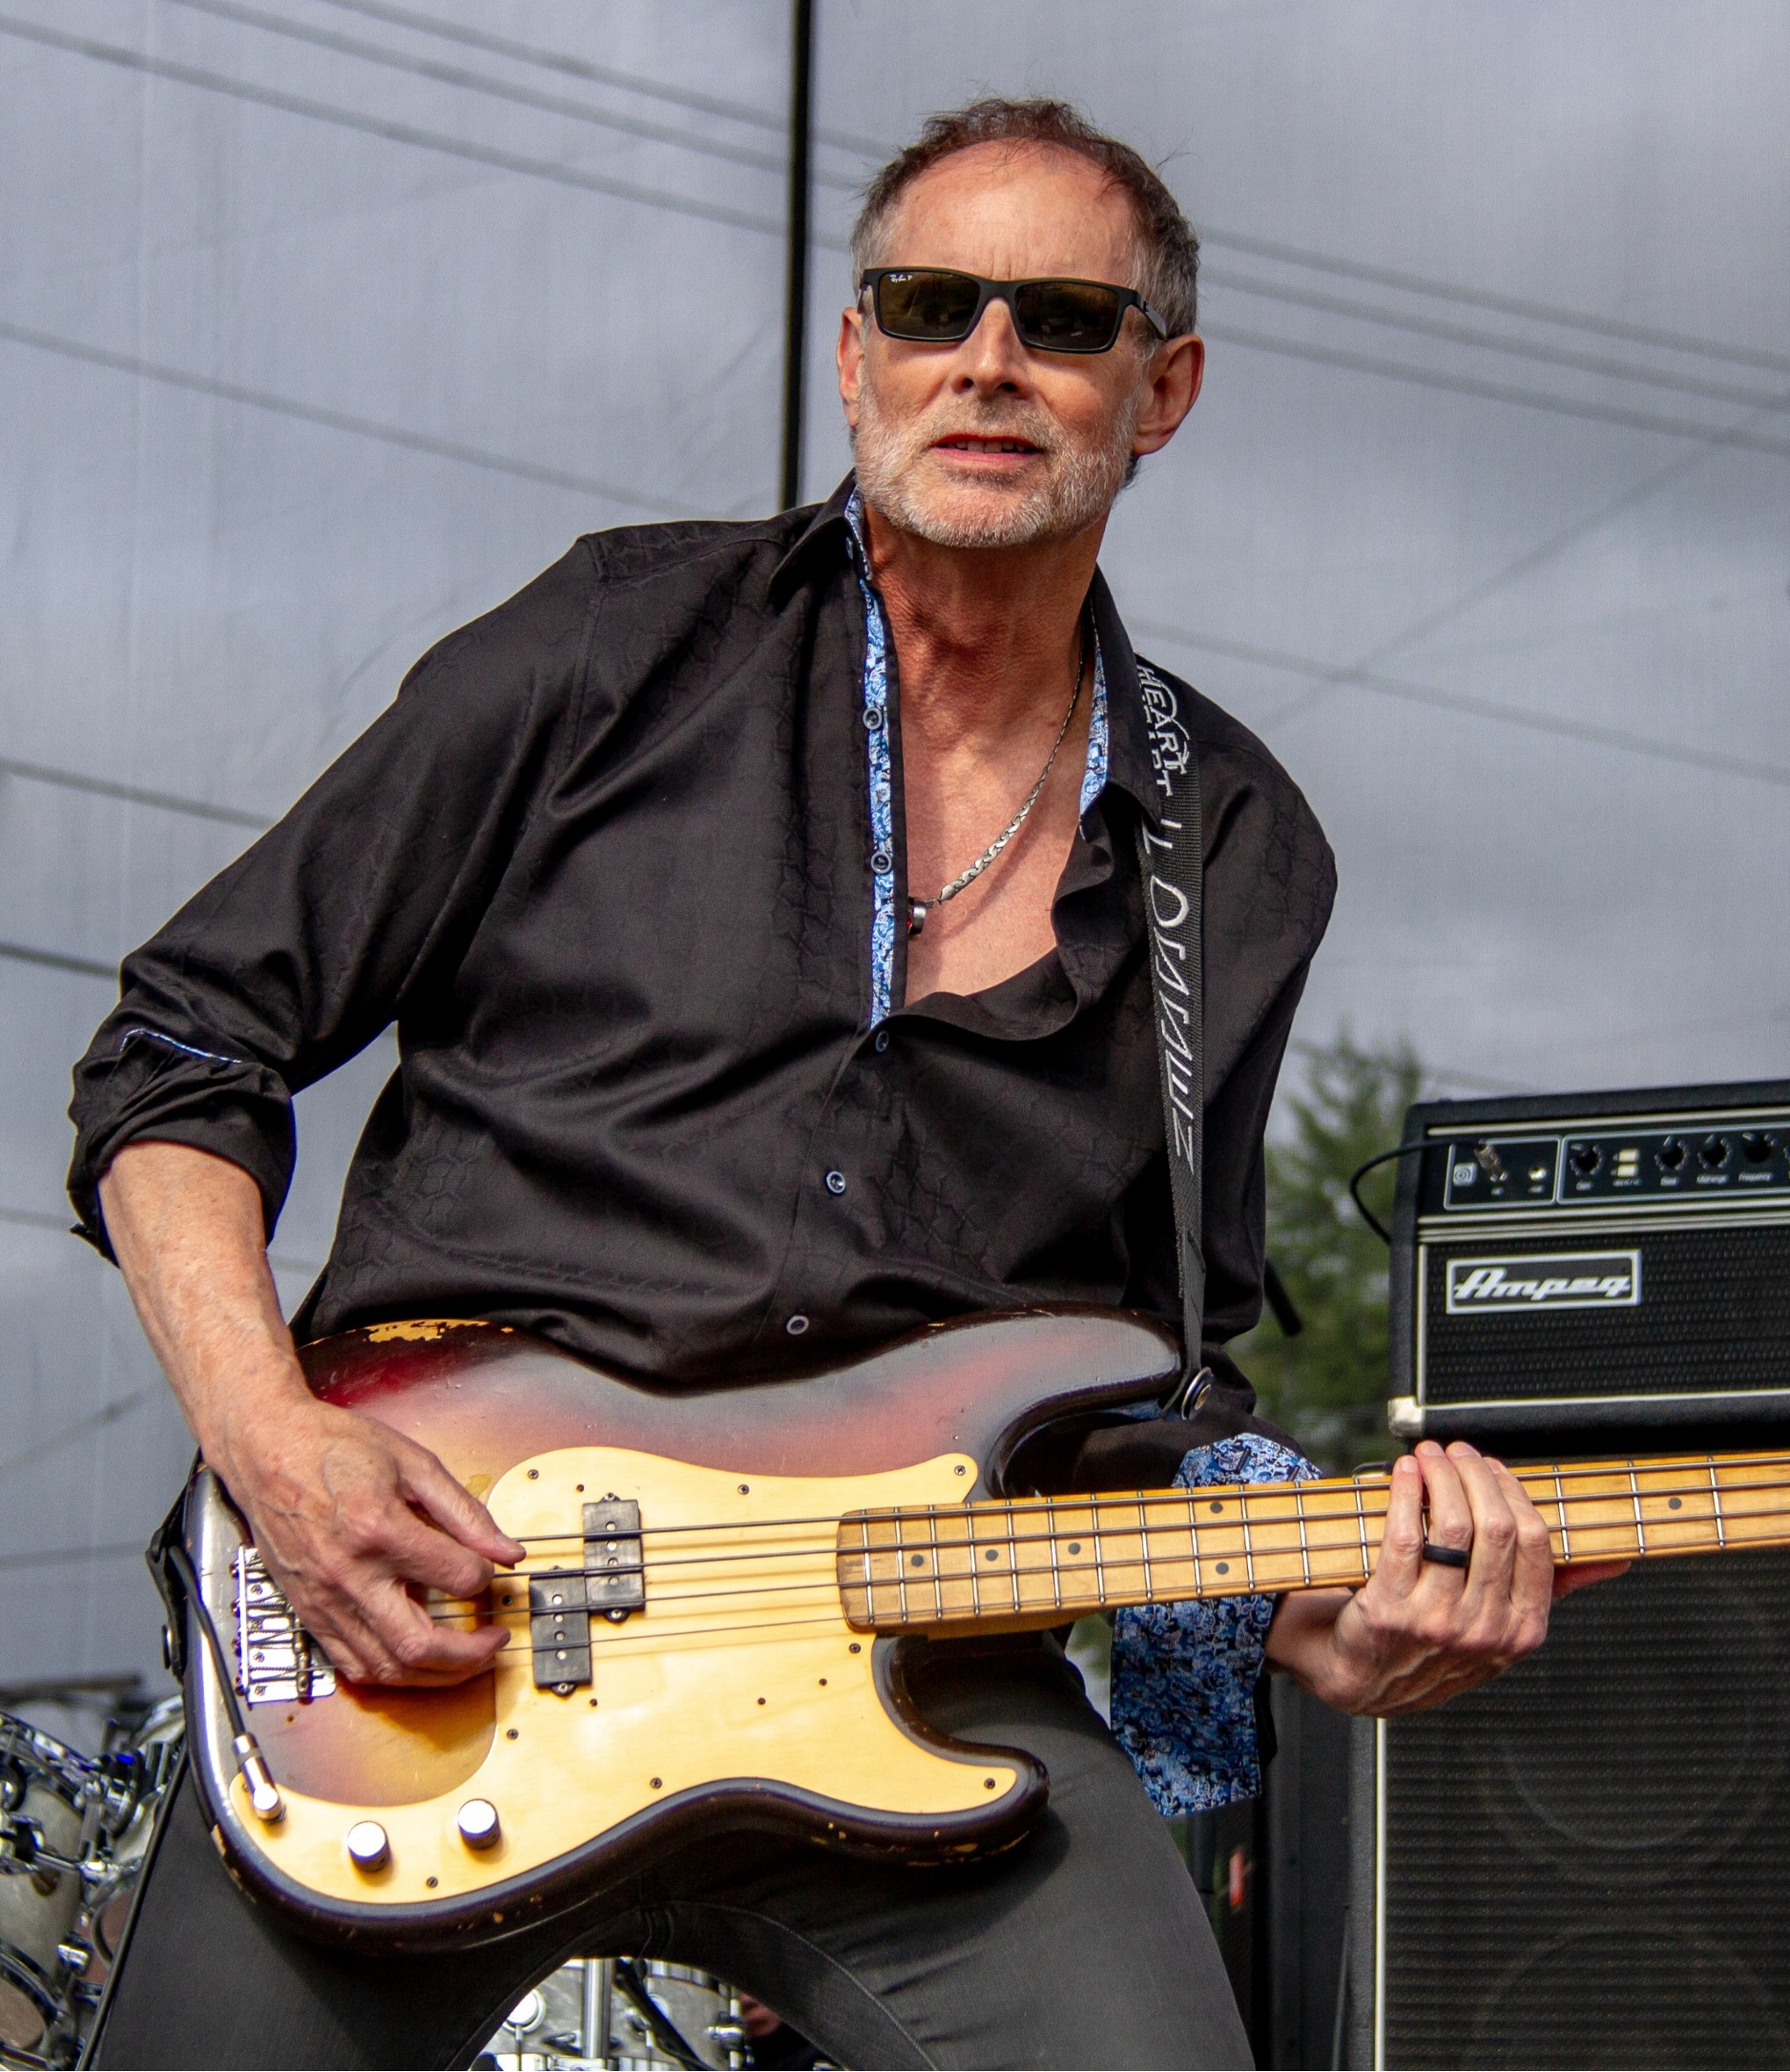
[[934, 305]]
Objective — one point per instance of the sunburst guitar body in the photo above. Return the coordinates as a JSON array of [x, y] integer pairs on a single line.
[[709, 1625]]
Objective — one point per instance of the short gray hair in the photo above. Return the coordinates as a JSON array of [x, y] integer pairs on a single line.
[[1168, 253]]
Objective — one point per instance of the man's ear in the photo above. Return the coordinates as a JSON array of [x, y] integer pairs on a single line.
[[849, 355], [1172, 381]]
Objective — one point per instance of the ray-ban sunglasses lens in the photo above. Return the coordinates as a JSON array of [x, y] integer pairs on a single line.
[[931, 306]]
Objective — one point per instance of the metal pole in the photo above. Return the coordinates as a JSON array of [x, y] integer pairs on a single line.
[[796, 289]]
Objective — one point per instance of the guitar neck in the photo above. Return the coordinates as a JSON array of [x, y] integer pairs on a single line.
[[1040, 1555]]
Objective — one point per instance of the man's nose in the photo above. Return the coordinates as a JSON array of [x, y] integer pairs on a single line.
[[991, 360]]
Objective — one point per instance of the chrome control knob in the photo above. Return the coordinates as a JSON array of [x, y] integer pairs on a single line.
[[479, 1823], [368, 1847]]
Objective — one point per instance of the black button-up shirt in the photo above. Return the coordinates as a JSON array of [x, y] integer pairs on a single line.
[[607, 863]]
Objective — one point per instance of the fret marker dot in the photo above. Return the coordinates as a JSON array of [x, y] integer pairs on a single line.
[[1217, 1506], [993, 1554], [1673, 1504], [1075, 1546], [919, 1561], [1224, 1568]]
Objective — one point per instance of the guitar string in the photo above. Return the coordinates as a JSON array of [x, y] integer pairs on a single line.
[[1250, 1492], [663, 1640], [1274, 1503], [1107, 1558], [1309, 1547]]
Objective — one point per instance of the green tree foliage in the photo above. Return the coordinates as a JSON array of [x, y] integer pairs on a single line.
[[1328, 1385]]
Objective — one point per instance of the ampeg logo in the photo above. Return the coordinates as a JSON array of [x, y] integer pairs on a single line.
[[1553, 1281]]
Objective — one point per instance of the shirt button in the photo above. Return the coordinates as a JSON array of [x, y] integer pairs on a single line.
[[797, 1325], [873, 718], [881, 861], [882, 1039], [835, 1183]]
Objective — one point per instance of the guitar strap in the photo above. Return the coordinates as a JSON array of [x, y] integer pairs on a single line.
[[1172, 867]]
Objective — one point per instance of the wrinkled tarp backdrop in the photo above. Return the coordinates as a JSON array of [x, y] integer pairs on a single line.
[[325, 324]]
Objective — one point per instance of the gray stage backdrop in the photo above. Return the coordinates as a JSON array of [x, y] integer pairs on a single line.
[[324, 323]]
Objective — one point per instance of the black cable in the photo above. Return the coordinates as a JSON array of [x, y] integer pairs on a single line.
[[1545, 312], [479, 83], [1286, 1312], [1399, 1150], [365, 427], [1372, 312], [1494, 392], [57, 960], [1422, 694], [178, 1559], [391, 132], [665, 2034]]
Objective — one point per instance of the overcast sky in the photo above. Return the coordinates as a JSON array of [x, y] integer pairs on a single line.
[[323, 326]]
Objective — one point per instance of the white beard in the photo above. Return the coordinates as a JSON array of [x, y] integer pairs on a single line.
[[1080, 487]]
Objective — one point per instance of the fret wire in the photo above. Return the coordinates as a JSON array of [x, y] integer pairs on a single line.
[[1560, 1505], [1055, 1571], [1716, 1500], [938, 1585], [1706, 1483], [901, 1567], [1099, 1578], [1528, 1476], [1634, 1490], [1304, 1542], [1362, 1520], [1144, 1545], [975, 1565], [1248, 1557]]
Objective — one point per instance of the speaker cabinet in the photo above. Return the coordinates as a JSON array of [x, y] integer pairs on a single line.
[[1587, 1862]]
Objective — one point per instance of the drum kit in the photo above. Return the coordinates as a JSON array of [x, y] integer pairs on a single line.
[[74, 1830]]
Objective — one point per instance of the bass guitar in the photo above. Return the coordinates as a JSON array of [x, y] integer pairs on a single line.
[[709, 1625]]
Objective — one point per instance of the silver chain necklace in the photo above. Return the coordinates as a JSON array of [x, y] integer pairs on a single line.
[[918, 909]]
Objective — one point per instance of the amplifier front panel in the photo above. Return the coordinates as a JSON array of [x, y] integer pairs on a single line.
[[1569, 1312]]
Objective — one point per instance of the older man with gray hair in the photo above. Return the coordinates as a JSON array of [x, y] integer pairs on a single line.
[[758, 908]]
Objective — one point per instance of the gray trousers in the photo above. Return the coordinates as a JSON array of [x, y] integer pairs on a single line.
[[1085, 1946]]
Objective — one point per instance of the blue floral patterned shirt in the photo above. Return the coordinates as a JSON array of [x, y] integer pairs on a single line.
[[1184, 1675]]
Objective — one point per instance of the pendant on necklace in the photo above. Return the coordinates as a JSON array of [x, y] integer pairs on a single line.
[[916, 916]]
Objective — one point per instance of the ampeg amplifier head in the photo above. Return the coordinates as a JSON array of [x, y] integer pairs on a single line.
[[1578, 1262]]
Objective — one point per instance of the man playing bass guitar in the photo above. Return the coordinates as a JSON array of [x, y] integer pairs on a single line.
[[759, 909]]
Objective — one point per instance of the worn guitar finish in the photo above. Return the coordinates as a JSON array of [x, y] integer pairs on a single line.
[[707, 1626], [754, 1720]]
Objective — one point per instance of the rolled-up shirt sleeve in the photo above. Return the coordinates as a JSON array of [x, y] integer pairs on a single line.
[[339, 919]]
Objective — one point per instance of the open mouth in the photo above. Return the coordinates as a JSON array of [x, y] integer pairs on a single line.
[[986, 445]]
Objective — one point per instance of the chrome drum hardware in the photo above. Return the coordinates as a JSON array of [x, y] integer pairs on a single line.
[[73, 1831]]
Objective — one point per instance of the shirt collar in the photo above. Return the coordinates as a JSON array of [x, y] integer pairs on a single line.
[[827, 521]]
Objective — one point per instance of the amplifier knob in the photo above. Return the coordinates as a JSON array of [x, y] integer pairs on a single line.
[[1712, 1153], [1585, 1159], [1670, 1155], [1756, 1147]]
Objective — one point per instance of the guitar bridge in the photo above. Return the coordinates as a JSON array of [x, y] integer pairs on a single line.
[[611, 1583], [277, 1662]]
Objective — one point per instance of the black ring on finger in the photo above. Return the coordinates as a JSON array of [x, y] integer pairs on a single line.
[[1449, 1557]]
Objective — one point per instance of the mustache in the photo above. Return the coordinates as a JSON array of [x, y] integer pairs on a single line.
[[996, 423]]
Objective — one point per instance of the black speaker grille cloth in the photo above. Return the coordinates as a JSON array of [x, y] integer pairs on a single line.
[[1714, 1314], [1588, 1862]]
